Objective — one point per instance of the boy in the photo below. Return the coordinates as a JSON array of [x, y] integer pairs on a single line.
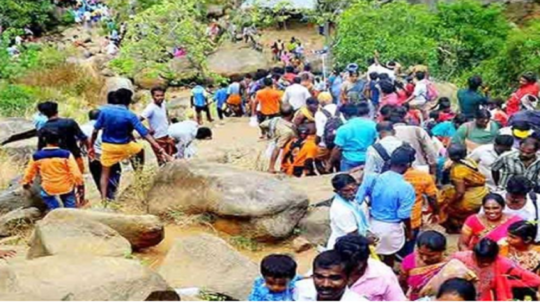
[[221, 96], [199, 101], [278, 279], [58, 170]]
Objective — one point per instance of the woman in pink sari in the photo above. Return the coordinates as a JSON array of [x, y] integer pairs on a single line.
[[492, 224], [496, 275]]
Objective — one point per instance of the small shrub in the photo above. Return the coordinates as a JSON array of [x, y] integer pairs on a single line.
[[16, 100], [244, 243]]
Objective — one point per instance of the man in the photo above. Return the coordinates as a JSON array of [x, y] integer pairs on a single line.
[[524, 162], [268, 99], [95, 164], [118, 123], [486, 155], [158, 119], [519, 131], [418, 138], [281, 131], [369, 278], [307, 82], [70, 135], [353, 138], [184, 133], [470, 99], [296, 94], [331, 272], [199, 100], [392, 199], [379, 154], [330, 114], [352, 89]]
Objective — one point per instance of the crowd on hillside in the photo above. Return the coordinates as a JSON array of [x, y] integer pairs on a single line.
[[473, 171]]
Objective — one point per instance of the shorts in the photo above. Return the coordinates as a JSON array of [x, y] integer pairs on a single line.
[[200, 109], [234, 100], [261, 118], [115, 153]]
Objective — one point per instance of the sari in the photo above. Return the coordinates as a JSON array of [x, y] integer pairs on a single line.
[[454, 214], [478, 227]]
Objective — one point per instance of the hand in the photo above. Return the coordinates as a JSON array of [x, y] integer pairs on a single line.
[[91, 153], [27, 186], [7, 254], [408, 234], [434, 219]]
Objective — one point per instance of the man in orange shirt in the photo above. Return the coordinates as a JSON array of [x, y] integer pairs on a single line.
[[58, 171], [268, 100], [299, 154]]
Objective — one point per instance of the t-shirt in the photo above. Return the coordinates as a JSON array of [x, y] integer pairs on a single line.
[[234, 89], [70, 134], [470, 101], [88, 130], [199, 95], [420, 93], [296, 95], [157, 118], [183, 134], [118, 123], [305, 292], [269, 100], [221, 97], [355, 137]]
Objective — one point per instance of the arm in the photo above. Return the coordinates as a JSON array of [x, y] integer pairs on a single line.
[[30, 173], [524, 277], [496, 168], [372, 161], [405, 208], [465, 238], [81, 136], [254, 106], [335, 156], [75, 171], [192, 101], [460, 190]]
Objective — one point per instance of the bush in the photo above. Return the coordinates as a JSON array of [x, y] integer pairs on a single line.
[[33, 57], [21, 13], [16, 100]]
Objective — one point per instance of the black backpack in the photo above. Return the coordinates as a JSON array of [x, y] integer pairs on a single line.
[[330, 128]]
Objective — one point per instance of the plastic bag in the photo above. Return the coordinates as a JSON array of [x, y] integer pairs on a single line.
[[253, 122]]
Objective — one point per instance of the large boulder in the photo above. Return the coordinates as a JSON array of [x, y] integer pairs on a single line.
[[72, 236], [258, 204], [182, 69], [148, 80], [16, 197], [16, 219], [75, 278], [237, 59], [141, 231], [116, 83], [22, 150], [208, 262], [315, 227], [14, 129]]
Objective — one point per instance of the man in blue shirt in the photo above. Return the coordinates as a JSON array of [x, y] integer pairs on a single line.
[[117, 123], [354, 137], [220, 97], [199, 100], [391, 200]]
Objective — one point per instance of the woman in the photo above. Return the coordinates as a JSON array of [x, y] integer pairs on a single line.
[[464, 196], [492, 224], [457, 289], [497, 275], [481, 131], [389, 96], [418, 268], [527, 86]]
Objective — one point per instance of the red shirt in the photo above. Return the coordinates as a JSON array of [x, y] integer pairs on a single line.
[[513, 104]]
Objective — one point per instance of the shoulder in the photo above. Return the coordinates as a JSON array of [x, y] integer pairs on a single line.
[[351, 296]]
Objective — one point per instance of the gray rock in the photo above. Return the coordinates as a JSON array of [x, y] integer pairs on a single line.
[[237, 59], [141, 231], [146, 80], [14, 129], [183, 69], [107, 73], [73, 236], [315, 227], [209, 263], [21, 151], [18, 218], [76, 278], [263, 207], [16, 197], [116, 83]]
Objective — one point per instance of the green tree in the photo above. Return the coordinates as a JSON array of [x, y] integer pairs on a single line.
[[20, 13]]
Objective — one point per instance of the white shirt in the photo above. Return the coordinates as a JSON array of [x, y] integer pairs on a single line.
[[321, 119], [379, 69], [157, 118], [420, 93], [88, 130], [485, 156], [305, 291], [184, 133], [296, 95], [342, 221]]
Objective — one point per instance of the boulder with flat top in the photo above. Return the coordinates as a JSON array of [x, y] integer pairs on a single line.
[[14, 129], [237, 59], [252, 204]]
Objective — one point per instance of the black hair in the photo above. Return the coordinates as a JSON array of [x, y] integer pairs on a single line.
[[373, 76], [386, 110], [157, 89], [523, 229], [286, 111], [387, 87], [529, 76], [307, 67], [260, 74], [354, 248], [474, 82], [370, 61], [268, 82], [174, 120], [363, 109], [278, 266], [530, 141], [482, 114], [497, 101], [297, 80], [460, 119], [433, 240], [224, 84], [504, 140], [40, 107], [385, 77], [93, 114], [111, 98], [420, 75], [312, 101], [519, 185], [339, 181], [486, 249], [403, 155], [248, 76], [444, 103], [123, 96], [434, 115], [50, 137], [385, 126], [495, 197], [276, 77], [521, 125], [457, 152], [353, 73], [203, 133], [305, 77], [278, 70], [329, 259], [289, 69], [459, 286], [398, 114], [49, 108], [349, 110]]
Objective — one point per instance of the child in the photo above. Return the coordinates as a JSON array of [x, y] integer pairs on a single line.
[[497, 113], [444, 107], [220, 98], [278, 279], [58, 170], [457, 289]]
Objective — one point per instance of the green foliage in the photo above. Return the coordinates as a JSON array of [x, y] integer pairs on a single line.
[[397, 30], [244, 243], [125, 8], [33, 57], [15, 100], [67, 18], [20, 13]]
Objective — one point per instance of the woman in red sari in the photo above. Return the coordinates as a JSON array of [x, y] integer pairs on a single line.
[[496, 275], [527, 86], [492, 224]]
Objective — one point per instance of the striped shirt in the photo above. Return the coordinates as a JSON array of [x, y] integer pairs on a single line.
[[511, 165]]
